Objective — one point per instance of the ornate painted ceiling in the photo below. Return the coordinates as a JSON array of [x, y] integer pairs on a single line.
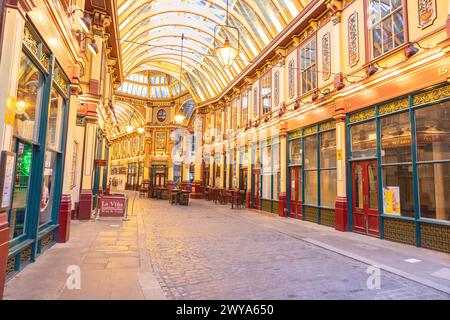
[[151, 32]]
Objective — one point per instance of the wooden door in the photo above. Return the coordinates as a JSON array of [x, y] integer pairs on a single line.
[[159, 179], [366, 218], [256, 188], [296, 192]]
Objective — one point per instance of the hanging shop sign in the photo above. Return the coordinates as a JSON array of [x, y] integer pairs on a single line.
[[112, 206], [7, 168], [100, 163], [391, 197]]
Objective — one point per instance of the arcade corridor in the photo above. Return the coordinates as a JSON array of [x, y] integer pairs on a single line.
[[208, 251]]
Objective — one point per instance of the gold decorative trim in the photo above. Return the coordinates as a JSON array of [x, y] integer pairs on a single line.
[[36, 47], [30, 41], [310, 130], [362, 115], [327, 125], [433, 95], [394, 106], [296, 134], [60, 80]]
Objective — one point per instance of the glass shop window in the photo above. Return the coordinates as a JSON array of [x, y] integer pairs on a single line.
[[295, 152], [364, 140], [433, 132], [311, 172], [53, 148], [55, 121], [328, 175], [266, 172], [400, 178], [276, 170], [311, 152], [17, 217], [48, 188], [29, 95], [433, 153], [396, 138], [434, 186]]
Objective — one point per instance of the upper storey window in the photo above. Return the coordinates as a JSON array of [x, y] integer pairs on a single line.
[[266, 92], [309, 66], [386, 25]]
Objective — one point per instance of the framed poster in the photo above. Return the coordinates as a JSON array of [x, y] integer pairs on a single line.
[[391, 197], [7, 173]]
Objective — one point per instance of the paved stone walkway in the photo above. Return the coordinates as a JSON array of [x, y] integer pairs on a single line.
[[207, 251]]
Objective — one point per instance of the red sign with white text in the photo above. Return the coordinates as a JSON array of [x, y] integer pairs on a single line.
[[112, 206]]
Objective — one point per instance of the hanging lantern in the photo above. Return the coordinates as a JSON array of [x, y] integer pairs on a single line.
[[130, 128], [226, 52]]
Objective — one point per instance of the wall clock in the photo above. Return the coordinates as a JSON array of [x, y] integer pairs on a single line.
[[161, 116]]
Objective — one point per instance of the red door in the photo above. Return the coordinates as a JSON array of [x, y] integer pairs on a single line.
[[256, 186], [296, 192], [366, 219], [159, 179]]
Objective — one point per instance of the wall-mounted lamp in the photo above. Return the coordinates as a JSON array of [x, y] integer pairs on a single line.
[[93, 47], [410, 51], [84, 20], [140, 130], [371, 70], [179, 118]]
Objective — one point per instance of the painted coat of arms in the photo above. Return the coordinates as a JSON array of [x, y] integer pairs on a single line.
[[427, 12]]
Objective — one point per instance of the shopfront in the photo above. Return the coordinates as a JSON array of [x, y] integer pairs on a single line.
[[399, 165], [270, 174], [243, 167], [158, 174], [38, 140], [311, 190]]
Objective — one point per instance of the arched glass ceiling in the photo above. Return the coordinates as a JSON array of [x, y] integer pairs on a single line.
[[151, 85], [124, 114], [151, 33]]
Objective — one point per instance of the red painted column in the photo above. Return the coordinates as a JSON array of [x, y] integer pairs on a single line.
[[170, 185], [186, 186], [341, 214], [64, 218], [282, 205], [197, 192], [249, 199], [85, 205], [4, 250]]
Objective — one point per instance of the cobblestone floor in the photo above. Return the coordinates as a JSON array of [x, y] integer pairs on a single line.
[[206, 251]]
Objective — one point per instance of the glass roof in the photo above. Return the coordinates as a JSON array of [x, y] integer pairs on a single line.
[[151, 34], [151, 85]]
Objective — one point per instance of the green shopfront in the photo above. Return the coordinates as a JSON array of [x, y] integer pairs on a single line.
[[399, 169], [39, 142], [311, 173]]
